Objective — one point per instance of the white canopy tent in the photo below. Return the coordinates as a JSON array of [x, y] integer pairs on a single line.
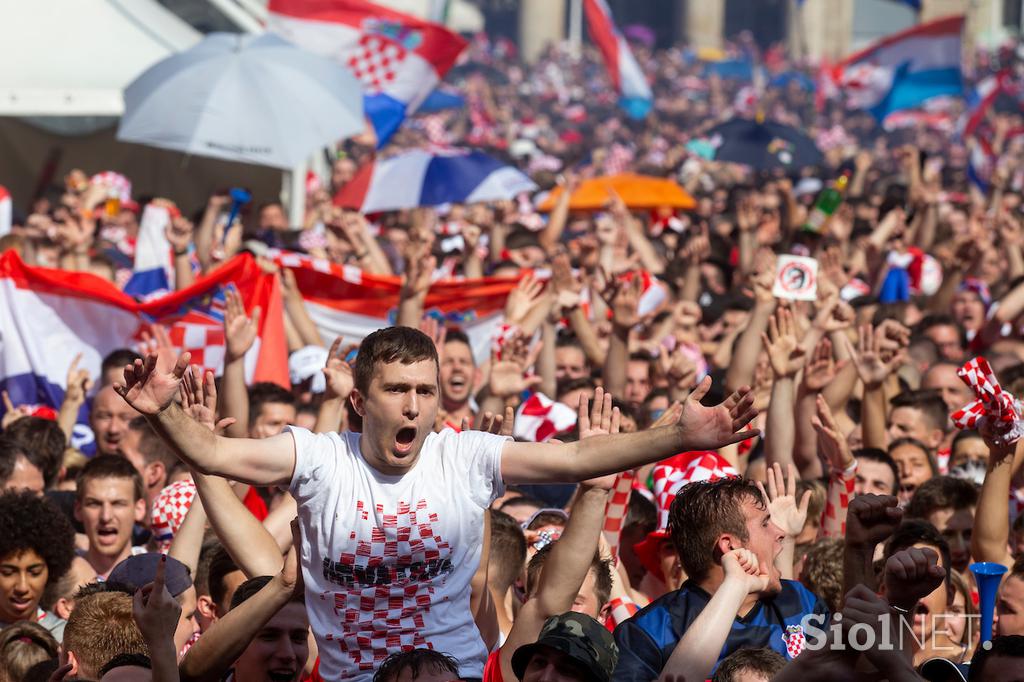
[[74, 57], [63, 67]]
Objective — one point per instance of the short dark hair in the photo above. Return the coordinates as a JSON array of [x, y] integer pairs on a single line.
[[9, 453], [930, 404], [30, 522], [220, 565], [601, 567], [882, 457], [907, 440], [153, 447], [936, 320], [117, 359], [264, 392], [547, 518], [457, 335], [415, 660], [763, 660], [567, 385], [125, 661], [941, 492], [915, 531], [43, 441], [110, 466], [507, 549], [1009, 646], [391, 344], [253, 585], [701, 512]]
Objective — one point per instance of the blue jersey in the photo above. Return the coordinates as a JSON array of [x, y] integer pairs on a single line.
[[647, 639]]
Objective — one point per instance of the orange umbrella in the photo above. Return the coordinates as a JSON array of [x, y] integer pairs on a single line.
[[637, 192]]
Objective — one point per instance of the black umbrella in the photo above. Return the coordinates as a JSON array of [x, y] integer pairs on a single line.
[[763, 145]]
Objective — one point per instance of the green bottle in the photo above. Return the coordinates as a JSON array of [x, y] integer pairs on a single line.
[[827, 203]]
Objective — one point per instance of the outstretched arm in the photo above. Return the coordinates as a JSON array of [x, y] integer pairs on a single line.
[[699, 428], [150, 387], [223, 643], [573, 553], [991, 521]]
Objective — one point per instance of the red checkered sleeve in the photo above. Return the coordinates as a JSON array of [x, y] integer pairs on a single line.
[[615, 511], [837, 500]]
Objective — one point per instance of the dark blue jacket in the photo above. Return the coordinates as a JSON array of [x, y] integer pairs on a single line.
[[647, 639]]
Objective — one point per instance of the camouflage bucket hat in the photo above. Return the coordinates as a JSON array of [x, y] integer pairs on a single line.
[[579, 637]]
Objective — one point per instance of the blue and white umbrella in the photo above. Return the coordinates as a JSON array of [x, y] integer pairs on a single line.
[[432, 178]]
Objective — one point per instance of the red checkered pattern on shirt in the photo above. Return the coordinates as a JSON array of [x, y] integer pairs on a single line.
[[375, 60], [615, 511], [379, 620]]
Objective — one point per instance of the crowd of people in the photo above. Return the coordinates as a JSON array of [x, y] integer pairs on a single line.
[[753, 488]]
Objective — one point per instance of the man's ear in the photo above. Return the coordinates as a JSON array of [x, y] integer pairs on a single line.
[[935, 439], [62, 607], [727, 542], [73, 660], [205, 606], [358, 402], [140, 511], [155, 473]]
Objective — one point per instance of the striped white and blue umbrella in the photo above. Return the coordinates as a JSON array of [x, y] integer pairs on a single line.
[[432, 178]]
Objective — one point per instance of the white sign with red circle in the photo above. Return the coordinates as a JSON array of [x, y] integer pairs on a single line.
[[796, 278]]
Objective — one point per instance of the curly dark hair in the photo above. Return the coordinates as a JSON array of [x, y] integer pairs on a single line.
[[35, 523]]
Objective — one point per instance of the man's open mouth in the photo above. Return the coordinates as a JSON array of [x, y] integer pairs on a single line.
[[281, 675], [404, 439]]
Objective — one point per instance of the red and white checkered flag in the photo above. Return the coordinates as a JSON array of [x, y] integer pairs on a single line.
[[540, 418], [993, 403]]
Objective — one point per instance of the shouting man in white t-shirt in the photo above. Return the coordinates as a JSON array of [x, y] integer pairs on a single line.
[[393, 517]]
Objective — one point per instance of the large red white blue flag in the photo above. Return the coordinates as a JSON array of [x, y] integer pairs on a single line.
[[48, 316], [634, 93], [399, 58], [905, 69], [344, 300]]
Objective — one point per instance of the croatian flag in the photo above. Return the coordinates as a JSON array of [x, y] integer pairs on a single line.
[[49, 316], [5, 211], [399, 59], [153, 272], [345, 301], [903, 70], [634, 93]]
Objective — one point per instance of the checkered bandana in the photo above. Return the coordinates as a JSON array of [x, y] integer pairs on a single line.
[[169, 509], [993, 403], [671, 475]]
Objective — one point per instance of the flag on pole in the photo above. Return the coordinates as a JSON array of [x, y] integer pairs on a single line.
[[905, 69], [49, 316], [399, 58], [153, 271], [635, 95], [343, 300]]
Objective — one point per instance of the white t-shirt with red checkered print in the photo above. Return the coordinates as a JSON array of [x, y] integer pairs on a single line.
[[387, 560]]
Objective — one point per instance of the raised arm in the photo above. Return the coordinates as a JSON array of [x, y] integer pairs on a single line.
[[573, 553], [156, 614], [695, 655], [623, 298], [699, 428], [992, 519], [786, 358], [150, 386], [748, 348], [219, 647], [240, 331]]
